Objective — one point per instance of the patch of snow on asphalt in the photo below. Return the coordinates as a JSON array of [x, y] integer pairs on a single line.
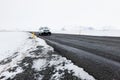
[[35, 60], [63, 64]]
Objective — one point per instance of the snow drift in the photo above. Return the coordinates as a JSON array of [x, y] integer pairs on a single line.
[[25, 58]]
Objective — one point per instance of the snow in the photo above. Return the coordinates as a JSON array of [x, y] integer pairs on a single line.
[[17, 46], [9, 42], [38, 64], [12, 74], [112, 33], [61, 63], [80, 30], [79, 72], [14, 46]]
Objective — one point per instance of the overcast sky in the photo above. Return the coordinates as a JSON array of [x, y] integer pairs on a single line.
[[59, 13]]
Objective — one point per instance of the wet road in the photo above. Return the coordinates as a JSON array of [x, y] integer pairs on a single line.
[[99, 56]]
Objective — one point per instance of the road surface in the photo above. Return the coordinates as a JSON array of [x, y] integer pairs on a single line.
[[99, 56]]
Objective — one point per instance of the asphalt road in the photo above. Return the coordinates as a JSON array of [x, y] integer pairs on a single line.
[[99, 56]]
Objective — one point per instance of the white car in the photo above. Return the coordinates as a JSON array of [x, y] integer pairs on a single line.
[[44, 31]]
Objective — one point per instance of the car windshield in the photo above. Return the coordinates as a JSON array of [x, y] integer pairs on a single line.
[[45, 28]]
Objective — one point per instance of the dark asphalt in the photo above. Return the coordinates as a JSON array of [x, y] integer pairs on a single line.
[[99, 56]]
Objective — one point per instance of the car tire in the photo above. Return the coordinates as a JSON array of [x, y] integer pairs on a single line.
[[49, 33]]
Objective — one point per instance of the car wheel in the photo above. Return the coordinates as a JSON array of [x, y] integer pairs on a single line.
[[49, 33], [39, 34]]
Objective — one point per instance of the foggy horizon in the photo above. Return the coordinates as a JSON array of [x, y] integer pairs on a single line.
[[31, 14]]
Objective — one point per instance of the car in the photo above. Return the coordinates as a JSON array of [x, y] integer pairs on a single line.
[[44, 31]]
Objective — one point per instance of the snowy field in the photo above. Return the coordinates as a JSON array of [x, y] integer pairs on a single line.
[[87, 31], [10, 42], [25, 58]]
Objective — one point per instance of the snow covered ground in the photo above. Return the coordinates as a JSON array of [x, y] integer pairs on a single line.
[[9, 42], [25, 58], [80, 30]]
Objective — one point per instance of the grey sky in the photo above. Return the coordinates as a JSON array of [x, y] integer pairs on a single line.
[[59, 13]]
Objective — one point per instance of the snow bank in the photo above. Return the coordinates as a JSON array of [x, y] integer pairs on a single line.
[[60, 66], [14, 47], [21, 53]]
